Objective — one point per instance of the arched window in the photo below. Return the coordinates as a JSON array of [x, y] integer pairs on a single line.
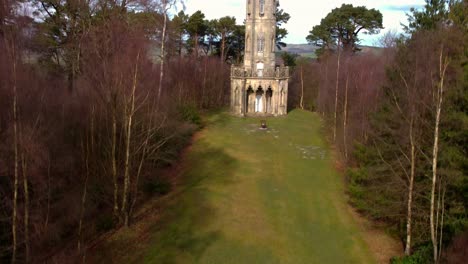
[[261, 44], [262, 7]]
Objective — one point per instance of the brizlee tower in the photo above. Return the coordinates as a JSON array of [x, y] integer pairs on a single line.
[[260, 86]]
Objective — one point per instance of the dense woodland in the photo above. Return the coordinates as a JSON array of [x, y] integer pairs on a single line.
[[98, 97], [93, 105], [398, 118]]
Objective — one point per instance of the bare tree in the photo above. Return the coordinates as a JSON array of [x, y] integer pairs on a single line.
[[335, 124], [11, 51], [128, 137], [301, 104], [345, 117], [411, 123], [114, 156], [87, 150], [165, 6], [443, 65]]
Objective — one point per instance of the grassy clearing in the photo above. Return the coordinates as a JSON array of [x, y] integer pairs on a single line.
[[252, 196]]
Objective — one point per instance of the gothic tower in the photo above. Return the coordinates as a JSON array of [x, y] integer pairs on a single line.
[[260, 33], [259, 86]]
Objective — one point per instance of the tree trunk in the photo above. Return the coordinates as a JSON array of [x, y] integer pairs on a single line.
[[46, 224], [204, 84], [163, 41], [26, 207], [410, 188], [16, 158], [130, 114], [83, 198], [440, 93], [86, 152], [196, 45], [336, 92], [181, 41], [114, 160], [71, 80], [140, 168], [302, 88], [441, 235], [223, 47], [345, 117]]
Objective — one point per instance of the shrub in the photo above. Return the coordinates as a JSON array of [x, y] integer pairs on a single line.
[[190, 113], [422, 255], [157, 186], [105, 223]]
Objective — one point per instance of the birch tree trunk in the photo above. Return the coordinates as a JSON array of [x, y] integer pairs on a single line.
[[16, 158], [86, 152], [130, 114], [114, 160], [441, 234], [443, 64], [410, 188], [140, 168], [336, 91], [163, 41], [345, 117]]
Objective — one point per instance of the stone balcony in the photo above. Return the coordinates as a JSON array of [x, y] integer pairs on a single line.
[[240, 72]]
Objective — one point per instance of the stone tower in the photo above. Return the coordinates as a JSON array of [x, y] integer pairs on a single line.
[[260, 85]]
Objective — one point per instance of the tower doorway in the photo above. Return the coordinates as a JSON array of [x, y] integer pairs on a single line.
[[249, 100], [259, 106], [268, 99]]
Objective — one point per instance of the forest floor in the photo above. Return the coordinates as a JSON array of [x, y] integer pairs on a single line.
[[244, 195]]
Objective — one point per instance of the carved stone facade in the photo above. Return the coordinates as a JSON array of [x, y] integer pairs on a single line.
[[260, 87]]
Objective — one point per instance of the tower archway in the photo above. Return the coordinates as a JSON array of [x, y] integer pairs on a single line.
[[259, 102], [249, 100], [268, 99]]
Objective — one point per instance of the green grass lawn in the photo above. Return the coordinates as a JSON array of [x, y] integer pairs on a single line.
[[252, 196]]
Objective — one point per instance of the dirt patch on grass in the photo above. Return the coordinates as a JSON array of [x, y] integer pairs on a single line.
[[381, 244]]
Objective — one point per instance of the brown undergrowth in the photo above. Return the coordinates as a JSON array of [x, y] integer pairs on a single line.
[[116, 246]]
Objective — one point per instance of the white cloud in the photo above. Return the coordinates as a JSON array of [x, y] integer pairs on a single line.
[[305, 14]]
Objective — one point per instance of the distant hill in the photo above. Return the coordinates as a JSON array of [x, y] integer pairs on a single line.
[[308, 50], [304, 50]]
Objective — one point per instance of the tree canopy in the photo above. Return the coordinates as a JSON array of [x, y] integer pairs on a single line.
[[343, 25], [433, 13], [281, 18], [224, 28]]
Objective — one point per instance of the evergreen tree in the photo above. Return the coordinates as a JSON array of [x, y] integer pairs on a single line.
[[281, 18], [343, 25], [433, 13], [196, 27]]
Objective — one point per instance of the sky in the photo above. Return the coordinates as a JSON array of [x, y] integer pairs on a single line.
[[307, 13]]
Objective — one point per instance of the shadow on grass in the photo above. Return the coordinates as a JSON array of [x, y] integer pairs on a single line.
[[184, 234], [219, 118]]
